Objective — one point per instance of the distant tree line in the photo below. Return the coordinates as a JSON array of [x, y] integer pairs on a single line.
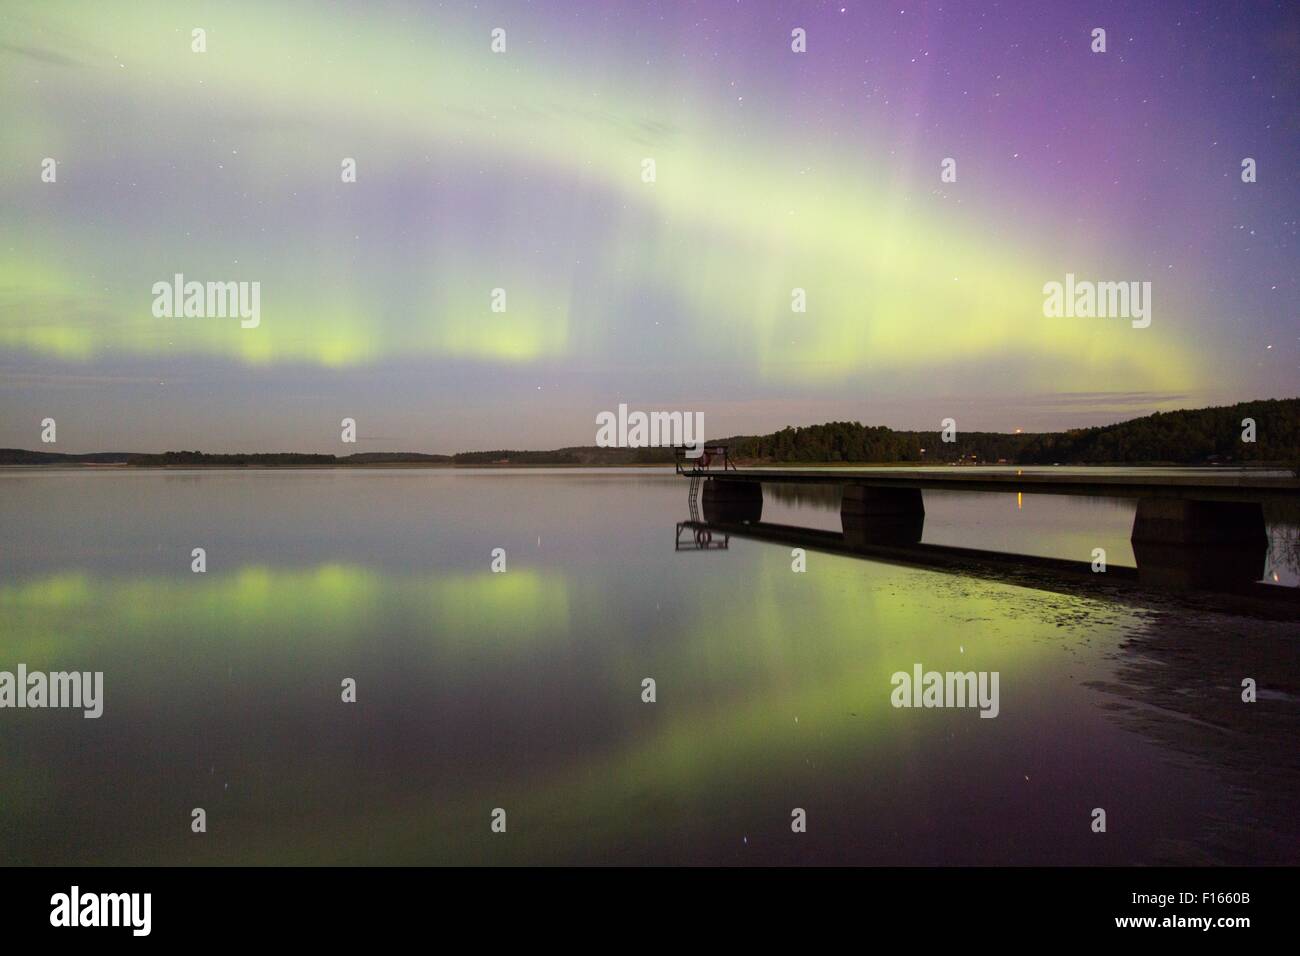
[[1197, 436], [172, 459], [1194, 437], [513, 457], [854, 442], [589, 455], [20, 456], [1186, 437], [184, 458]]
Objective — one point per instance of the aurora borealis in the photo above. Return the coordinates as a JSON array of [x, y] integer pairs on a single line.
[[522, 171], [480, 689], [523, 689]]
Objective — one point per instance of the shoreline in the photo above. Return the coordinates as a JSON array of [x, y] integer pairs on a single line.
[[509, 466]]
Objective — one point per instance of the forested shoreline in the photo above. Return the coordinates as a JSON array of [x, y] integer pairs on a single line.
[[1202, 436]]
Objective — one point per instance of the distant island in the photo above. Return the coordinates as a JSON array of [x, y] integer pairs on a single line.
[[1189, 437]]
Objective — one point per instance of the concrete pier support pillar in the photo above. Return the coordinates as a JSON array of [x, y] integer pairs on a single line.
[[871, 515], [1199, 544], [732, 501]]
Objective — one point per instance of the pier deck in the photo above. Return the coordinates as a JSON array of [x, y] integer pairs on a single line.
[[1184, 487], [1188, 530]]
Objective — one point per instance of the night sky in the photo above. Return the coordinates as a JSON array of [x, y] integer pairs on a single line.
[[523, 171]]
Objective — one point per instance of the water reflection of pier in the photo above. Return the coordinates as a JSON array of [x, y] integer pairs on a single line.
[[700, 537], [1193, 532], [1027, 570]]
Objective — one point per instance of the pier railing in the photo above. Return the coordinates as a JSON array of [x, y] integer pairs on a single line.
[[712, 458]]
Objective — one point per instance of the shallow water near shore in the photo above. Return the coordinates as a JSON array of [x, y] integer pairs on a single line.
[[523, 690]]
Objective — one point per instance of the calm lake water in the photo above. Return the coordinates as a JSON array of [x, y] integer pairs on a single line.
[[522, 690]]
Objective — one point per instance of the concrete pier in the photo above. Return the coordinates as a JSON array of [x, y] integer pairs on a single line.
[[1189, 530], [1191, 522], [1046, 481], [1192, 544], [732, 501], [871, 515]]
